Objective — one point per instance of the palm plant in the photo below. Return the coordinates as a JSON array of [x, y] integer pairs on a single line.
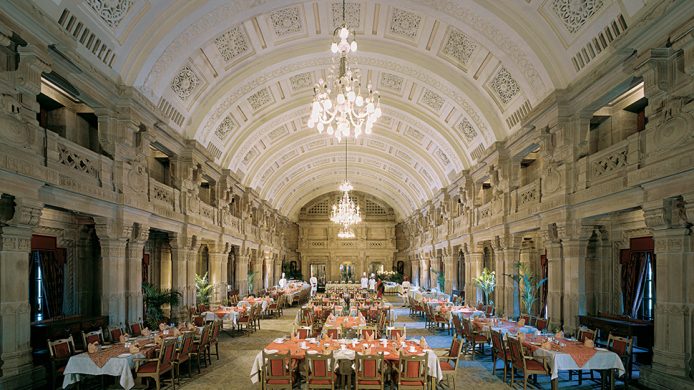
[[486, 282], [440, 278], [251, 278], [154, 299], [528, 284], [203, 289]]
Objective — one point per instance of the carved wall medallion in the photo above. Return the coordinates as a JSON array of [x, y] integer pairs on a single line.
[[111, 11], [405, 24], [575, 14], [286, 21], [391, 81], [185, 82], [233, 43], [504, 86], [301, 81], [228, 125], [458, 47], [465, 128]]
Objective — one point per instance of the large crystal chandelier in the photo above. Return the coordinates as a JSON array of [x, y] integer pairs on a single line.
[[338, 105], [345, 232], [346, 212]]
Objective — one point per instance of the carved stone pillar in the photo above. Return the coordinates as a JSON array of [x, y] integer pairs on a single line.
[[181, 252], [475, 295], [217, 274], [555, 271], [190, 296], [507, 289], [449, 263], [673, 258], [134, 267], [575, 249], [15, 324], [424, 272], [414, 264], [113, 238], [277, 271], [242, 273]]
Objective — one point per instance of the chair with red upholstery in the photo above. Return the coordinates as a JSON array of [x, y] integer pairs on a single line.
[[489, 311], [183, 355], [319, 373], [499, 352], [458, 326], [214, 338], [582, 335], [136, 329], [60, 351], [95, 336], [541, 323], [332, 332], [364, 332], [449, 360], [201, 346], [370, 371], [412, 372], [473, 338], [115, 332], [623, 347], [395, 332], [276, 371], [304, 332], [528, 365], [156, 368], [526, 318]]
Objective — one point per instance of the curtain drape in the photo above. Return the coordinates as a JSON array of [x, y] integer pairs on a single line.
[[633, 275], [544, 265], [52, 279]]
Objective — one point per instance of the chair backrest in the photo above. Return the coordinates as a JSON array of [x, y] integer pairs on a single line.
[[216, 326], [276, 366], [458, 325], [480, 306], [456, 347], [168, 351], [198, 320], [525, 317], [498, 348], [394, 333], [333, 333], [304, 332], [516, 349], [61, 348], [186, 345], [115, 332], [467, 328], [205, 335], [318, 366], [365, 331], [585, 333], [622, 346], [93, 336], [369, 367], [541, 323], [136, 329], [490, 310], [412, 368]]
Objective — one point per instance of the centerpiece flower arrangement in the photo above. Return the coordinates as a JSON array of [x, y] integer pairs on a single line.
[[487, 283]]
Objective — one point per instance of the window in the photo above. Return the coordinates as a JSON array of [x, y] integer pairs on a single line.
[[648, 301], [37, 287]]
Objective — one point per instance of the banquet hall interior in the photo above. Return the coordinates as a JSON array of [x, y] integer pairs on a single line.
[[346, 194]]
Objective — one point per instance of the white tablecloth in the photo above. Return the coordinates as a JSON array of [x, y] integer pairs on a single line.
[[82, 364], [232, 316], [602, 360]]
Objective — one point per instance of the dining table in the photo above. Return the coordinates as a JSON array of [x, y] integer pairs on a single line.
[[346, 349], [225, 313], [346, 322]]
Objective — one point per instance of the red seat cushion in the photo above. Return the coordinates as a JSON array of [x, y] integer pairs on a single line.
[[278, 381], [368, 382], [152, 367], [447, 366], [480, 339], [534, 365], [61, 350], [411, 383], [320, 381]]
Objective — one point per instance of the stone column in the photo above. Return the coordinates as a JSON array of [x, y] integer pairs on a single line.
[[476, 262], [424, 272], [15, 322], [242, 273], [449, 263], [673, 274], [555, 277], [277, 271], [575, 249], [507, 289], [217, 274], [113, 238], [414, 264], [134, 266], [181, 251]]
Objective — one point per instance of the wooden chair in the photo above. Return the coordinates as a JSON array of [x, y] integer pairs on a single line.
[[60, 351], [541, 323], [457, 325], [582, 335], [319, 373], [473, 338], [412, 372], [525, 317], [364, 331], [304, 332], [156, 368], [527, 364], [499, 352], [183, 355], [369, 371], [115, 332], [214, 338], [91, 337], [395, 332], [200, 347], [136, 329], [489, 311], [439, 320], [246, 320], [332, 332], [257, 314], [449, 361], [276, 371], [623, 347]]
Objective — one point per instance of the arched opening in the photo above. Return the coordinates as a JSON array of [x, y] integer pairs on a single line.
[[203, 263]]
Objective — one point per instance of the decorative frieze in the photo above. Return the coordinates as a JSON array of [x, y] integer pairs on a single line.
[[391, 82], [260, 99], [112, 12], [301, 81], [233, 44], [575, 14]]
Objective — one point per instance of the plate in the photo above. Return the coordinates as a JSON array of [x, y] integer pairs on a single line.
[[150, 345], [386, 353], [312, 352], [600, 349], [106, 346], [123, 355], [271, 351]]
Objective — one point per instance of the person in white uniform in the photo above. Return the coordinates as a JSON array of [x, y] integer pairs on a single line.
[[314, 284], [283, 281], [372, 283], [364, 281]]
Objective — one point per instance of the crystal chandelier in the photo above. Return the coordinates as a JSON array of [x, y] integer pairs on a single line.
[[346, 212], [347, 109], [345, 232]]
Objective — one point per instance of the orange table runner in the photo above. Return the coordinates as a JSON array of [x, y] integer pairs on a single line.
[[347, 322], [101, 357], [324, 346], [578, 352]]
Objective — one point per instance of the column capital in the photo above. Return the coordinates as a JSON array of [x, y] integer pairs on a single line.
[[667, 213], [112, 229], [20, 212], [506, 242]]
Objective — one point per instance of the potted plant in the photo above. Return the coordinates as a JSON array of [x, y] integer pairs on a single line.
[[251, 278], [440, 279], [486, 282], [203, 289], [154, 300], [528, 285]]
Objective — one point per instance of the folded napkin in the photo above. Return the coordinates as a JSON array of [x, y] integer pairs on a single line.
[[158, 339], [146, 332], [370, 336], [367, 350], [293, 337], [123, 338], [162, 327], [93, 347], [559, 335], [589, 343], [134, 349], [191, 326], [546, 345], [423, 343], [176, 332], [521, 322]]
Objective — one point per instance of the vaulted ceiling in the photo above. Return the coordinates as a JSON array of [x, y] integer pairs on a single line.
[[454, 77]]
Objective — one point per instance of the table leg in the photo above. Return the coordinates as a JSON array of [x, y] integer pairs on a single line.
[[555, 383], [612, 379]]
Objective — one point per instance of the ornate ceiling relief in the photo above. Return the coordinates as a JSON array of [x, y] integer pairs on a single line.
[[111, 11], [574, 14], [392, 82], [458, 47], [278, 132], [466, 130], [442, 156], [252, 154], [228, 125], [286, 21], [185, 82], [352, 15], [504, 86], [301, 81], [233, 43], [260, 99], [405, 24], [432, 100]]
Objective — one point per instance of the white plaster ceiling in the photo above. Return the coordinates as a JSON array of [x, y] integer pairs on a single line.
[[454, 77]]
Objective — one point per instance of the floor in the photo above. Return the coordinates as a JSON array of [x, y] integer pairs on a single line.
[[232, 370]]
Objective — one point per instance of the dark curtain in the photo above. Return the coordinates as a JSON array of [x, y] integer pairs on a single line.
[[145, 268], [633, 275], [53, 276], [544, 266]]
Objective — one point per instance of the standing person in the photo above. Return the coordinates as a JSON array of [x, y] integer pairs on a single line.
[[372, 283], [380, 288], [283, 281], [364, 281], [405, 285], [314, 284]]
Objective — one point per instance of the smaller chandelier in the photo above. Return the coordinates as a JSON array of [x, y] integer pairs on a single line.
[[345, 232], [337, 115], [346, 212]]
